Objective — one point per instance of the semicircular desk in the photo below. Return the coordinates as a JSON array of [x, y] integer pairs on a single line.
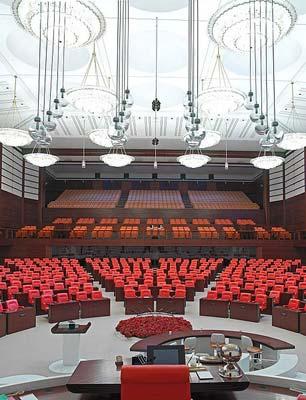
[[258, 340]]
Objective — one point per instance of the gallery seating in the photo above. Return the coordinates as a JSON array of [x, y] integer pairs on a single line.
[[154, 199], [220, 200], [87, 199], [102, 232]]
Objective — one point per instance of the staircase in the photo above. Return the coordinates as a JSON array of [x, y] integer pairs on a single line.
[[122, 199], [186, 200]]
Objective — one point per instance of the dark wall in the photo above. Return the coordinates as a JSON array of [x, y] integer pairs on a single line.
[[290, 213], [16, 211]]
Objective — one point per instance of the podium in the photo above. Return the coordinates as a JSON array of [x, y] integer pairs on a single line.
[[71, 348], [284, 318], [245, 311]]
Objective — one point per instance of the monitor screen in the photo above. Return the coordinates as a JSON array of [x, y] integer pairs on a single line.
[[166, 354]]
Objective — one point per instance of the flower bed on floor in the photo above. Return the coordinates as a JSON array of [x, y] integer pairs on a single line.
[[143, 327]]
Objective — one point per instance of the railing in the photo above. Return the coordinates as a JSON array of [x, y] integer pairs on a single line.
[[142, 234]]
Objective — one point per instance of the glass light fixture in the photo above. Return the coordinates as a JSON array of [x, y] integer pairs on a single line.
[[92, 99], [229, 25], [193, 160], [293, 138], [85, 22], [41, 159], [293, 141], [100, 137], [9, 134], [94, 94], [117, 159], [212, 138], [218, 97], [267, 161]]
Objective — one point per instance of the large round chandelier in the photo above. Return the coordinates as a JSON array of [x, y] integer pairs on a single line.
[[293, 141], [9, 134], [101, 137], [14, 137], [229, 25], [94, 94], [193, 160], [41, 159], [218, 97], [221, 100], [84, 21], [212, 138], [92, 99], [293, 136], [267, 162], [117, 159]]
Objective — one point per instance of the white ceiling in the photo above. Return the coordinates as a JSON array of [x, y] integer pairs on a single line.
[[18, 55]]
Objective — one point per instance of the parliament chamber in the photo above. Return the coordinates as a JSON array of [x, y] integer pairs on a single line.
[[152, 200]]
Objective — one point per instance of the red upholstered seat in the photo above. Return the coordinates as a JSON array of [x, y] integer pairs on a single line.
[[80, 296], [45, 301], [294, 304], [151, 382], [32, 295], [11, 290], [212, 295], [261, 299], [275, 296], [226, 295], [12, 305], [245, 297], [301, 397], [96, 295], [130, 294], [145, 293], [164, 293], [1, 308], [62, 298], [180, 293]]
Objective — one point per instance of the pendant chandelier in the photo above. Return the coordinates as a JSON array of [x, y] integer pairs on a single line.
[[101, 137], [261, 28], [51, 57], [95, 97], [10, 134], [218, 97], [228, 25], [85, 22], [294, 135], [41, 157], [117, 156], [195, 132]]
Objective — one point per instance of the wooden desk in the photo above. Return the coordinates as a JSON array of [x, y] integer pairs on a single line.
[[2, 325], [102, 376], [20, 320], [214, 308], [284, 318], [303, 324], [64, 311], [245, 311], [274, 344]]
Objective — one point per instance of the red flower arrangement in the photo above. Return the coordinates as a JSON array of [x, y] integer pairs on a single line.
[[143, 327]]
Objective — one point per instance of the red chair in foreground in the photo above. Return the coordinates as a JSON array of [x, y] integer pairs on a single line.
[[162, 382]]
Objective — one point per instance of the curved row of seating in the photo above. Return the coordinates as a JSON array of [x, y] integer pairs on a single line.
[[171, 284], [246, 288], [51, 286]]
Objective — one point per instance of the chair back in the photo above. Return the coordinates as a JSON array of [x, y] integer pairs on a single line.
[[246, 342], [151, 382]]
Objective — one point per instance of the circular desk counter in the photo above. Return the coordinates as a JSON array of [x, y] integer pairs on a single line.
[[258, 340]]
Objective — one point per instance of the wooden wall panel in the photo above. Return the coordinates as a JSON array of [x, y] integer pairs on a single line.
[[290, 213], [11, 213]]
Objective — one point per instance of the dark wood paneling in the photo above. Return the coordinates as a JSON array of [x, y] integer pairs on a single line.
[[31, 212], [295, 213], [10, 210]]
